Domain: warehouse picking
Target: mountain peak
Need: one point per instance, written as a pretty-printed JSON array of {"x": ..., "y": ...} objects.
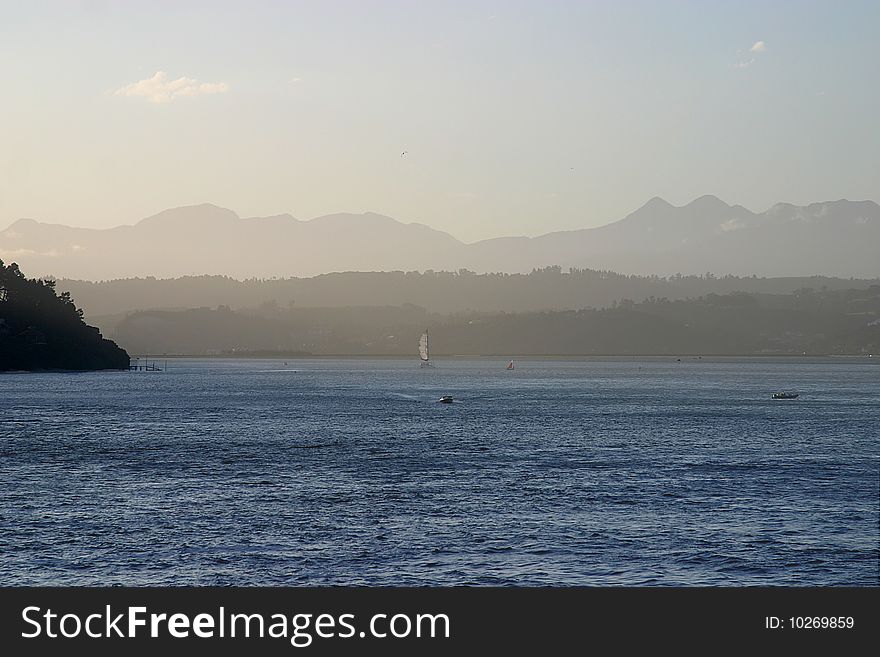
[
  {"x": 22, "y": 223},
  {"x": 659, "y": 238},
  {"x": 707, "y": 201},
  {"x": 656, "y": 203},
  {"x": 202, "y": 214}
]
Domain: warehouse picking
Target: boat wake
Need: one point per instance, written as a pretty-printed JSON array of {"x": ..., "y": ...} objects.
[{"x": 401, "y": 395}]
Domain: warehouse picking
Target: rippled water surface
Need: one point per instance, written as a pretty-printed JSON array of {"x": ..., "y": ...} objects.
[{"x": 349, "y": 472}]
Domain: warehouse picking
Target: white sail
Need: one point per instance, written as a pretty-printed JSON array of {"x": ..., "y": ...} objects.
[{"x": 423, "y": 347}]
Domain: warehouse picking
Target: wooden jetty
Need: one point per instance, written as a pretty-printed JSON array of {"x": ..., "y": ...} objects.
[{"x": 146, "y": 365}]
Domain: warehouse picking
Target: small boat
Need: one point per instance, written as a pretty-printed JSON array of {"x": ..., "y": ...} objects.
[
  {"x": 785, "y": 395},
  {"x": 445, "y": 399},
  {"x": 510, "y": 365}
]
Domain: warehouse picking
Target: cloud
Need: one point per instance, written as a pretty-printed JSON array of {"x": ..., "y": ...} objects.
[
  {"x": 17, "y": 253},
  {"x": 731, "y": 224},
  {"x": 159, "y": 89},
  {"x": 759, "y": 46}
]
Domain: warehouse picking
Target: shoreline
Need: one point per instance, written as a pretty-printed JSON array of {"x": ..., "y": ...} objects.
[
  {"x": 535, "y": 357},
  {"x": 683, "y": 359}
]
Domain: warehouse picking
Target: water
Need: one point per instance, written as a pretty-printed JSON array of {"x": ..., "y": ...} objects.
[{"x": 601, "y": 472}]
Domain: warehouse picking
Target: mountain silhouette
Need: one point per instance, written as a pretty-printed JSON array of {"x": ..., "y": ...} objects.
[{"x": 833, "y": 238}]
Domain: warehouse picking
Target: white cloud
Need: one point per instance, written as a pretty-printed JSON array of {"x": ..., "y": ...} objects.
[
  {"x": 159, "y": 89},
  {"x": 17, "y": 253},
  {"x": 757, "y": 48},
  {"x": 731, "y": 224}
]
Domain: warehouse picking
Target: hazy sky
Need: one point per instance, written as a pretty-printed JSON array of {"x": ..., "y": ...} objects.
[{"x": 516, "y": 117}]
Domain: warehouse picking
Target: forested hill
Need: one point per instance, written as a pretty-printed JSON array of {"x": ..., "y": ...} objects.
[
  {"x": 550, "y": 288},
  {"x": 40, "y": 330},
  {"x": 812, "y": 322}
]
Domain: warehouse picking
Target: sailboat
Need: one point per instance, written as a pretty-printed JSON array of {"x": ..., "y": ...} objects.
[
  {"x": 423, "y": 350},
  {"x": 510, "y": 365}
]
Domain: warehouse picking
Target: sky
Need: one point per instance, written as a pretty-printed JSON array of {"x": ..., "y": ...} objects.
[{"x": 479, "y": 118}]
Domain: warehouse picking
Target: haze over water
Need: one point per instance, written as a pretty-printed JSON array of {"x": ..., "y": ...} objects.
[{"x": 597, "y": 472}]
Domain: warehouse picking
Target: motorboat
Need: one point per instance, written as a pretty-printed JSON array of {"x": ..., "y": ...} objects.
[
  {"x": 785, "y": 395},
  {"x": 445, "y": 399}
]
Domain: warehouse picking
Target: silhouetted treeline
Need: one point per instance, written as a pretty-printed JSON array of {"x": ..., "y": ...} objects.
[
  {"x": 441, "y": 292},
  {"x": 815, "y": 322},
  {"x": 42, "y": 330}
]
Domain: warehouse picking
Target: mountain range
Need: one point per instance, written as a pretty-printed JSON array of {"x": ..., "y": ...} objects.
[{"x": 834, "y": 238}]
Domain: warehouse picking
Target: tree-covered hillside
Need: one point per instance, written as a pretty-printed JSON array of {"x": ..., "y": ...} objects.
[
  {"x": 809, "y": 321},
  {"x": 40, "y": 330},
  {"x": 550, "y": 288}
]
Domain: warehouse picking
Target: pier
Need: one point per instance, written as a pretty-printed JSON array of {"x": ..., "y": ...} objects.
[{"x": 146, "y": 365}]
